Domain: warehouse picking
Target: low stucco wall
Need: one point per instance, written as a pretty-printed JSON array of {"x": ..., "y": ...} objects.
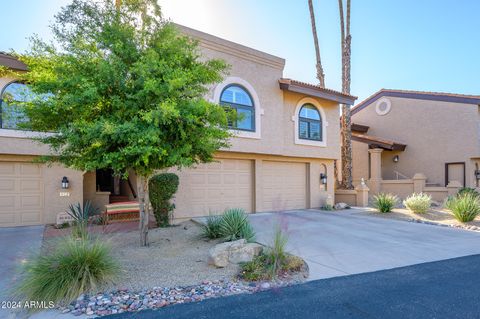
[
  {"x": 402, "y": 188},
  {"x": 438, "y": 193},
  {"x": 346, "y": 196}
]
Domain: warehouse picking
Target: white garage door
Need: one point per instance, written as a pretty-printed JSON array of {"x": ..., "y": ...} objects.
[
  {"x": 284, "y": 186},
  {"x": 212, "y": 188},
  {"x": 21, "y": 194}
]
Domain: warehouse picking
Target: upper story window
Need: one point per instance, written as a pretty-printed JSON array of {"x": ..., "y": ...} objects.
[
  {"x": 309, "y": 123},
  {"x": 238, "y": 99},
  {"x": 10, "y": 113}
]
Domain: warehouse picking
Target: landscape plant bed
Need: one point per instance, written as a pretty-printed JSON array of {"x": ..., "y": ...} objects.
[
  {"x": 174, "y": 269},
  {"x": 435, "y": 216}
]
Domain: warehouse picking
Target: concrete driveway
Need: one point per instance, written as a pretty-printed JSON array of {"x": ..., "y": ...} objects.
[
  {"x": 16, "y": 243},
  {"x": 344, "y": 242}
]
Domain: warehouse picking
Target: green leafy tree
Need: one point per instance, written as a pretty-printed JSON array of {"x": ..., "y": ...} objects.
[{"x": 124, "y": 90}]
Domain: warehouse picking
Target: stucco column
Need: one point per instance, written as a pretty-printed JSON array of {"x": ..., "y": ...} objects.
[
  {"x": 375, "y": 170},
  {"x": 362, "y": 194},
  {"x": 419, "y": 182}
]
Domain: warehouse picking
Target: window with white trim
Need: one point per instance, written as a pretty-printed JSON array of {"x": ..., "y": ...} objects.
[
  {"x": 309, "y": 123},
  {"x": 11, "y": 114},
  {"x": 238, "y": 99}
]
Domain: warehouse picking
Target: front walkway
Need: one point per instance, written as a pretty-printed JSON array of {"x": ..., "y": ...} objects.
[{"x": 345, "y": 242}]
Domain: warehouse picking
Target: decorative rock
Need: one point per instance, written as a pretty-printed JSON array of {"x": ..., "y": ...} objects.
[
  {"x": 234, "y": 252},
  {"x": 339, "y": 206}
]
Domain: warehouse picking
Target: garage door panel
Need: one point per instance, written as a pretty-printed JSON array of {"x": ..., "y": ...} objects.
[
  {"x": 7, "y": 185},
  {"x": 7, "y": 168},
  {"x": 30, "y": 169},
  {"x": 284, "y": 185},
  {"x": 30, "y": 217},
  {"x": 30, "y": 185},
  {"x": 21, "y": 186},
  {"x": 212, "y": 188}
]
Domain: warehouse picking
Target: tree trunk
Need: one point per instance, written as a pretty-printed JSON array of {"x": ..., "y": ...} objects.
[
  {"x": 142, "y": 186},
  {"x": 320, "y": 73},
  {"x": 346, "y": 123}
]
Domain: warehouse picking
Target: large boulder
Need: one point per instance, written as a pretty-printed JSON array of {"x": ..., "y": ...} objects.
[{"x": 233, "y": 252}]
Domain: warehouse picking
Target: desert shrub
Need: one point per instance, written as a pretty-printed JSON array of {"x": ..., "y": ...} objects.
[
  {"x": 468, "y": 190},
  {"x": 327, "y": 207},
  {"x": 80, "y": 217},
  {"x": 234, "y": 224},
  {"x": 255, "y": 270},
  {"x": 384, "y": 202},
  {"x": 161, "y": 189},
  {"x": 465, "y": 207},
  {"x": 276, "y": 254},
  {"x": 70, "y": 268},
  {"x": 211, "y": 229},
  {"x": 292, "y": 263},
  {"x": 418, "y": 203}
]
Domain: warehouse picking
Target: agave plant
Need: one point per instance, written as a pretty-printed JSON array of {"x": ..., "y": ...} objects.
[{"x": 235, "y": 225}]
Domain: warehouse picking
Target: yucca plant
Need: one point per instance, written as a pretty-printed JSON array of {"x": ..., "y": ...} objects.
[
  {"x": 465, "y": 207},
  {"x": 80, "y": 216},
  {"x": 68, "y": 269},
  {"x": 418, "y": 203},
  {"x": 384, "y": 202},
  {"x": 234, "y": 225},
  {"x": 211, "y": 229}
]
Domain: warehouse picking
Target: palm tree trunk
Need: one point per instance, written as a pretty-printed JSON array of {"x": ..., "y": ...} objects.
[
  {"x": 346, "y": 123},
  {"x": 320, "y": 73}
]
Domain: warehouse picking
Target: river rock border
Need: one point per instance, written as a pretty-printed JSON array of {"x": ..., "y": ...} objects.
[{"x": 123, "y": 300}]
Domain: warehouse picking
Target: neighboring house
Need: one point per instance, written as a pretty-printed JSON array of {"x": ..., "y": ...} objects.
[
  {"x": 281, "y": 157},
  {"x": 399, "y": 134}
]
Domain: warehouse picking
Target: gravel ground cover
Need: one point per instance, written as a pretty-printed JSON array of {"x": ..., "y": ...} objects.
[
  {"x": 176, "y": 256},
  {"x": 436, "y": 216}
]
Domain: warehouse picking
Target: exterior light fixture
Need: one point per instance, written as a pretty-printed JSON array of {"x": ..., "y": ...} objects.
[
  {"x": 396, "y": 159},
  {"x": 323, "y": 178},
  {"x": 65, "y": 182}
]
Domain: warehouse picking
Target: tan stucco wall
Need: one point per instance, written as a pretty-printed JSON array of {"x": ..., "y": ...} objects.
[
  {"x": 262, "y": 71},
  {"x": 52, "y": 176},
  {"x": 435, "y": 133},
  {"x": 98, "y": 199}
]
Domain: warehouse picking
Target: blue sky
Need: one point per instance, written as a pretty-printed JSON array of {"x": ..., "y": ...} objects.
[{"x": 430, "y": 45}]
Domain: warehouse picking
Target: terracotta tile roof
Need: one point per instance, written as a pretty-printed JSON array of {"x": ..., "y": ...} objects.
[
  {"x": 421, "y": 95},
  {"x": 378, "y": 142},
  {"x": 315, "y": 90},
  {"x": 11, "y": 62}
]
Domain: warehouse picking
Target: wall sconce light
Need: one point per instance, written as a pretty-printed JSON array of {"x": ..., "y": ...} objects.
[
  {"x": 65, "y": 182},
  {"x": 396, "y": 159},
  {"x": 323, "y": 178}
]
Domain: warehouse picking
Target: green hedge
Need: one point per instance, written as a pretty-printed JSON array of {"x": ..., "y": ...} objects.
[{"x": 161, "y": 188}]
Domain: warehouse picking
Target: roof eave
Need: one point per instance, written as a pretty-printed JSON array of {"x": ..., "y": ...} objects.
[{"x": 292, "y": 87}]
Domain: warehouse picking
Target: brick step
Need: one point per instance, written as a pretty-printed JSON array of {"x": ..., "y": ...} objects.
[{"x": 118, "y": 198}]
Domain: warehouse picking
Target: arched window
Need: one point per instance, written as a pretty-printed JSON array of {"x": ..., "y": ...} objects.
[
  {"x": 236, "y": 98},
  {"x": 10, "y": 113},
  {"x": 309, "y": 123}
]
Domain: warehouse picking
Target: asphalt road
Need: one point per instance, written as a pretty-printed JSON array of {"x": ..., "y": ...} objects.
[{"x": 444, "y": 289}]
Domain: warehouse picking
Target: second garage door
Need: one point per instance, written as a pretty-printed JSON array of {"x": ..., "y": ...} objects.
[{"x": 284, "y": 186}]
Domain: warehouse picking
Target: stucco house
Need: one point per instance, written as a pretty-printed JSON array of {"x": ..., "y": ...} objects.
[
  {"x": 406, "y": 137},
  {"x": 281, "y": 157}
]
